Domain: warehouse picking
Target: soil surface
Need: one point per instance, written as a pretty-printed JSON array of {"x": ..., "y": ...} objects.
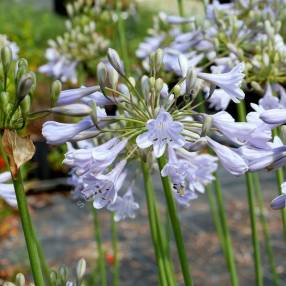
[{"x": 66, "y": 232}]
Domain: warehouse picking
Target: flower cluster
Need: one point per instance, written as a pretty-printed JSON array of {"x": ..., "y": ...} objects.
[
  {"x": 243, "y": 31},
  {"x": 83, "y": 43},
  {"x": 148, "y": 117}
]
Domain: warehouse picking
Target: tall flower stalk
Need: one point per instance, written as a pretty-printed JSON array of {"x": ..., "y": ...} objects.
[
  {"x": 101, "y": 254},
  {"x": 228, "y": 249},
  {"x": 28, "y": 230},
  {"x": 279, "y": 181},
  {"x": 115, "y": 251},
  {"x": 182, "y": 253},
  {"x": 252, "y": 213}
]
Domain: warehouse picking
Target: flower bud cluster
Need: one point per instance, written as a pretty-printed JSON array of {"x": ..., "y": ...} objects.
[
  {"x": 57, "y": 278},
  {"x": 17, "y": 85}
]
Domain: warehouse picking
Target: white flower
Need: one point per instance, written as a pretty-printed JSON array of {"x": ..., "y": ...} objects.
[
  {"x": 219, "y": 100},
  {"x": 58, "y": 133},
  {"x": 124, "y": 206},
  {"x": 268, "y": 101},
  {"x": 13, "y": 46},
  {"x": 230, "y": 160},
  {"x": 103, "y": 188},
  {"x": 59, "y": 66},
  {"x": 162, "y": 131},
  {"x": 95, "y": 159},
  {"x": 7, "y": 192},
  {"x": 230, "y": 82},
  {"x": 72, "y": 95}
]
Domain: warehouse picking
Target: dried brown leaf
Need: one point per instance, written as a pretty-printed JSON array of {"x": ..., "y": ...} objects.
[{"x": 18, "y": 149}]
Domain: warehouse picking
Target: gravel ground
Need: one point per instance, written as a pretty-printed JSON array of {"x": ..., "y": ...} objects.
[{"x": 66, "y": 233}]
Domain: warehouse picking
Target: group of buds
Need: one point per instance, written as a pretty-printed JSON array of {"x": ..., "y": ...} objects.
[
  {"x": 17, "y": 86},
  {"x": 57, "y": 278}
]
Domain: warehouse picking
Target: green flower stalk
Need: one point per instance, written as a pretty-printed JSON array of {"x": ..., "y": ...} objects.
[{"x": 17, "y": 85}]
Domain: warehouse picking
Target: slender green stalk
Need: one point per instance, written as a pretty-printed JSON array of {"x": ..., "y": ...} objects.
[
  {"x": 42, "y": 257},
  {"x": 215, "y": 216},
  {"x": 28, "y": 230},
  {"x": 152, "y": 222},
  {"x": 122, "y": 38},
  {"x": 280, "y": 180},
  {"x": 175, "y": 225},
  {"x": 180, "y": 8},
  {"x": 101, "y": 257},
  {"x": 254, "y": 233},
  {"x": 252, "y": 214},
  {"x": 226, "y": 235},
  {"x": 263, "y": 220},
  {"x": 115, "y": 252}
]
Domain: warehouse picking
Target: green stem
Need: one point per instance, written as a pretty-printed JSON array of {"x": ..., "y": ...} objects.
[
  {"x": 264, "y": 223},
  {"x": 215, "y": 216},
  {"x": 101, "y": 257},
  {"x": 180, "y": 7},
  {"x": 122, "y": 38},
  {"x": 280, "y": 180},
  {"x": 175, "y": 225},
  {"x": 152, "y": 221},
  {"x": 42, "y": 257},
  {"x": 28, "y": 231},
  {"x": 254, "y": 234},
  {"x": 251, "y": 205},
  {"x": 226, "y": 235},
  {"x": 115, "y": 252}
]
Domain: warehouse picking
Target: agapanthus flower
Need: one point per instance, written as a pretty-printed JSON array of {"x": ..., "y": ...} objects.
[
  {"x": 230, "y": 82},
  {"x": 13, "y": 46},
  {"x": 103, "y": 188},
  {"x": 125, "y": 206},
  {"x": 7, "y": 192},
  {"x": 162, "y": 132},
  {"x": 280, "y": 201}
]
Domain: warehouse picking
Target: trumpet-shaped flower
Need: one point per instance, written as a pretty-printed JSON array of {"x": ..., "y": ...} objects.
[
  {"x": 103, "y": 188},
  {"x": 162, "y": 131},
  {"x": 280, "y": 201},
  {"x": 230, "y": 82},
  {"x": 230, "y": 160},
  {"x": 219, "y": 100},
  {"x": 125, "y": 206},
  {"x": 268, "y": 101},
  {"x": 72, "y": 95},
  {"x": 7, "y": 192},
  {"x": 95, "y": 159},
  {"x": 58, "y": 133}
]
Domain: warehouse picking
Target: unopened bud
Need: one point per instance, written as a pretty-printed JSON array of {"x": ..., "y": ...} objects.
[
  {"x": 256, "y": 86},
  {"x": 183, "y": 63},
  {"x": 159, "y": 84},
  {"x": 21, "y": 69},
  {"x": 25, "y": 105},
  {"x": 6, "y": 58},
  {"x": 101, "y": 74},
  {"x": 70, "y": 9},
  {"x": 145, "y": 86},
  {"x": 56, "y": 91},
  {"x": 4, "y": 99},
  {"x": 279, "y": 202},
  {"x": 191, "y": 79},
  {"x": 115, "y": 61},
  {"x": 269, "y": 29},
  {"x": 76, "y": 109},
  {"x": 177, "y": 90},
  {"x": 64, "y": 273},
  {"x": 9, "y": 284},
  {"x": 20, "y": 279},
  {"x": 24, "y": 87},
  {"x": 132, "y": 81},
  {"x": 81, "y": 268},
  {"x": 53, "y": 277},
  {"x": 112, "y": 77},
  {"x": 158, "y": 59},
  {"x": 206, "y": 125}
]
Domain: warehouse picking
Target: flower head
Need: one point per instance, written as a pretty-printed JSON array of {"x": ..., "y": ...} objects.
[{"x": 162, "y": 131}]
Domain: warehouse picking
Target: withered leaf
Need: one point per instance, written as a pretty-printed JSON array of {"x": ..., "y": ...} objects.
[{"x": 18, "y": 149}]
